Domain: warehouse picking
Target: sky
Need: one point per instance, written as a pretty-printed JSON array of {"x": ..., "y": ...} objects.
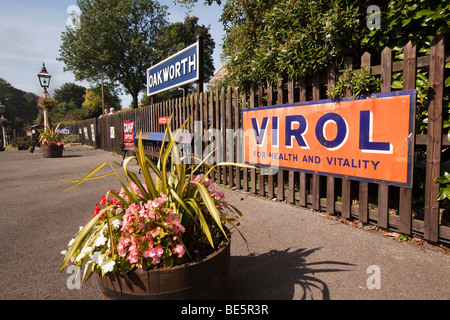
[{"x": 30, "y": 34}]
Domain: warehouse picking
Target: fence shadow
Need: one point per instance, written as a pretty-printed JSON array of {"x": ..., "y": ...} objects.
[{"x": 278, "y": 274}]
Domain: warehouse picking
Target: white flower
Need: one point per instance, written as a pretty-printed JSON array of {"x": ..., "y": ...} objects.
[
  {"x": 71, "y": 241},
  {"x": 108, "y": 266},
  {"x": 80, "y": 256},
  {"x": 116, "y": 223},
  {"x": 100, "y": 241},
  {"x": 95, "y": 257},
  {"x": 64, "y": 252},
  {"x": 83, "y": 253}
]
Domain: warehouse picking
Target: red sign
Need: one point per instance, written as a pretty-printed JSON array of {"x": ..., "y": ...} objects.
[
  {"x": 163, "y": 120},
  {"x": 128, "y": 134},
  {"x": 366, "y": 139}
]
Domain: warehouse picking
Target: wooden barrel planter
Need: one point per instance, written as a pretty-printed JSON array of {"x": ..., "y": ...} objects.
[
  {"x": 203, "y": 280},
  {"x": 52, "y": 151}
]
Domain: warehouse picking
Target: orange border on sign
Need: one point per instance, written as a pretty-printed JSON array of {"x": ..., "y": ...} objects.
[{"x": 345, "y": 138}]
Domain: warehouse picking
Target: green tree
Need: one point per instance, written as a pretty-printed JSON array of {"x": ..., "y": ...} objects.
[
  {"x": 269, "y": 39},
  {"x": 92, "y": 105},
  {"x": 21, "y": 106},
  {"x": 70, "y": 93},
  {"x": 405, "y": 20},
  {"x": 116, "y": 41}
]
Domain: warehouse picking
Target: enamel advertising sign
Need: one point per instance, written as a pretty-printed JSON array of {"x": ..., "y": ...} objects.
[
  {"x": 366, "y": 139},
  {"x": 128, "y": 133},
  {"x": 177, "y": 70}
]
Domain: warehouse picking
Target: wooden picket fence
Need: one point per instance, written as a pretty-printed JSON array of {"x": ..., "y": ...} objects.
[{"x": 407, "y": 211}]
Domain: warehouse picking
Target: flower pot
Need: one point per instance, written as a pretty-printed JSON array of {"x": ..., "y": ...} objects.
[
  {"x": 203, "y": 280},
  {"x": 52, "y": 151}
]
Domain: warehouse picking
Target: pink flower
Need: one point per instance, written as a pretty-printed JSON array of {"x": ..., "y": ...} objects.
[
  {"x": 158, "y": 251},
  {"x": 133, "y": 252},
  {"x": 121, "y": 250},
  {"x": 150, "y": 253},
  {"x": 164, "y": 198},
  {"x": 179, "y": 249}
]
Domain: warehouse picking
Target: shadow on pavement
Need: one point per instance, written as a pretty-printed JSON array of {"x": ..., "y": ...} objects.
[{"x": 280, "y": 275}]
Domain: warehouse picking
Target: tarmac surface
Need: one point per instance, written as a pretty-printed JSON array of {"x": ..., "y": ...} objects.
[{"x": 293, "y": 253}]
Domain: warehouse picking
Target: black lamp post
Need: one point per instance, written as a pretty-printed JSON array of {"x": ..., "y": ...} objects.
[{"x": 44, "y": 80}]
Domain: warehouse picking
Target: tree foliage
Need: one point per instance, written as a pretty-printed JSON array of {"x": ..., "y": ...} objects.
[
  {"x": 116, "y": 39},
  {"x": 268, "y": 39},
  {"x": 92, "y": 105},
  {"x": 70, "y": 93},
  {"x": 405, "y": 20},
  {"x": 21, "y": 106}
]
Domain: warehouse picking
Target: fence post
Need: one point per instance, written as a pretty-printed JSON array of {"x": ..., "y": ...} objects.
[
  {"x": 409, "y": 82},
  {"x": 434, "y": 144},
  {"x": 383, "y": 189},
  {"x": 346, "y": 183},
  {"x": 270, "y": 177},
  {"x": 331, "y": 82},
  {"x": 252, "y": 171},
  {"x": 364, "y": 185},
  {"x": 291, "y": 191},
  {"x": 315, "y": 176},
  {"x": 302, "y": 181},
  {"x": 280, "y": 174}
]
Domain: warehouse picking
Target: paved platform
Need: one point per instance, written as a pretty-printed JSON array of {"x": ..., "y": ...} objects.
[{"x": 293, "y": 253}]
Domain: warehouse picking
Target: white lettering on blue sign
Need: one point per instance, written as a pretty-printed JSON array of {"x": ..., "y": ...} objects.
[{"x": 177, "y": 70}]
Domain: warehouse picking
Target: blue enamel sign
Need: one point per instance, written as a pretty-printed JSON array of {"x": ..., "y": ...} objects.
[{"x": 177, "y": 70}]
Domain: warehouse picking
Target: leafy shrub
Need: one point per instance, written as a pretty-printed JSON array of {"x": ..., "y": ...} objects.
[{"x": 22, "y": 143}]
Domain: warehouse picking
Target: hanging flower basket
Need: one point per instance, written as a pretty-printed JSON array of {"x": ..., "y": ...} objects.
[{"x": 46, "y": 103}]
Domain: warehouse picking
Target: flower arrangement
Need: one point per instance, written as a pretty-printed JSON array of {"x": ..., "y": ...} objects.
[
  {"x": 173, "y": 216},
  {"x": 46, "y": 103},
  {"x": 51, "y": 137}
]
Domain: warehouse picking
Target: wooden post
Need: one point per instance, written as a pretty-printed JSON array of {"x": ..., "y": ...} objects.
[
  {"x": 434, "y": 145},
  {"x": 280, "y": 174},
  {"x": 383, "y": 189},
  {"x": 262, "y": 177},
  {"x": 302, "y": 182},
  {"x": 252, "y": 171},
  {"x": 363, "y": 185},
  {"x": 291, "y": 191},
  {"x": 238, "y": 145},
  {"x": 270, "y": 177},
  {"x": 409, "y": 82},
  {"x": 200, "y": 64},
  {"x": 331, "y": 81},
  {"x": 346, "y": 183}
]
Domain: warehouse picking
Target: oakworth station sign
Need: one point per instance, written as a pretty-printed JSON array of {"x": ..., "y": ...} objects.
[
  {"x": 366, "y": 139},
  {"x": 177, "y": 70}
]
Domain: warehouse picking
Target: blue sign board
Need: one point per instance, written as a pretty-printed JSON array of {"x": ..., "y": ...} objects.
[{"x": 180, "y": 69}]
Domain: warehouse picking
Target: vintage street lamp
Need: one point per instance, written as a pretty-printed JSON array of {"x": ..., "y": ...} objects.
[
  {"x": 44, "y": 80},
  {"x": 2, "y": 121}
]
